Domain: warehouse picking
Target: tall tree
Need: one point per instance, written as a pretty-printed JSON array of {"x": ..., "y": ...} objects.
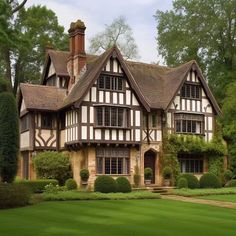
[
  {"x": 9, "y": 134},
  {"x": 201, "y": 30},
  {"x": 32, "y": 29},
  {"x": 118, "y": 32}
]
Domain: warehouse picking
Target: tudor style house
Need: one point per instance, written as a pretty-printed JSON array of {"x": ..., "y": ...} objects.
[{"x": 110, "y": 114}]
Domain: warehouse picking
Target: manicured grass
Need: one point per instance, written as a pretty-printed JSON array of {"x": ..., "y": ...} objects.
[
  {"x": 118, "y": 218},
  {"x": 78, "y": 195},
  {"x": 202, "y": 192},
  {"x": 225, "y": 198}
]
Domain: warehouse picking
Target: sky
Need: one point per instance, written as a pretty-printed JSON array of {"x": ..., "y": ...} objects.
[{"x": 96, "y": 14}]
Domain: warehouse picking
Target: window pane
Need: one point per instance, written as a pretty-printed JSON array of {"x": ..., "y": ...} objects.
[
  {"x": 101, "y": 83},
  {"x": 114, "y": 85},
  {"x": 120, "y": 117},
  {"x": 120, "y": 165},
  {"x": 178, "y": 126},
  {"x": 193, "y": 91},
  {"x": 114, "y": 165},
  {"x": 184, "y": 126},
  {"x": 194, "y": 126},
  {"x": 99, "y": 165},
  {"x": 120, "y": 83},
  {"x": 113, "y": 116},
  {"x": 154, "y": 120},
  {"x": 107, "y": 165},
  {"x": 197, "y": 92},
  {"x": 108, "y": 82},
  {"x": 99, "y": 115},
  {"x": 188, "y": 91},
  {"x": 107, "y": 116},
  {"x": 189, "y": 130},
  {"x": 183, "y": 91}
]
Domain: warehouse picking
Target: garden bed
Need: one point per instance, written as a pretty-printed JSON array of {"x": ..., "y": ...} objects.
[
  {"x": 202, "y": 192},
  {"x": 78, "y": 195}
]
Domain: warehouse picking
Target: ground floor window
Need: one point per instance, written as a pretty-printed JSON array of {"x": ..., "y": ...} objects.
[
  {"x": 113, "y": 161},
  {"x": 191, "y": 163}
]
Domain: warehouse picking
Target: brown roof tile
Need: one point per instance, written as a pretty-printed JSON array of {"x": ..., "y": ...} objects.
[{"x": 41, "y": 97}]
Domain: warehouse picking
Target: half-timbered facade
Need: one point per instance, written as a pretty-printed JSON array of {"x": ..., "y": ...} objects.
[{"x": 110, "y": 114}]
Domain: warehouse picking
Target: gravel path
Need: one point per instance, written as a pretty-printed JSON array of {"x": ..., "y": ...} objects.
[{"x": 231, "y": 205}]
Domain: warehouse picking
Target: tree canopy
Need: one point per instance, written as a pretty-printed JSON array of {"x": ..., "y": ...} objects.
[
  {"x": 204, "y": 31},
  {"x": 119, "y": 33},
  {"x": 27, "y": 35}
]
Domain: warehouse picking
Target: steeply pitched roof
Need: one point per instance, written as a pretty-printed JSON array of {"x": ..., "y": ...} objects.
[
  {"x": 82, "y": 87},
  {"x": 41, "y": 97},
  {"x": 156, "y": 86}
]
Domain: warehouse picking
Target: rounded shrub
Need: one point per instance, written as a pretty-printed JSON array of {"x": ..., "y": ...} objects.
[
  {"x": 105, "y": 184},
  {"x": 182, "y": 183},
  {"x": 123, "y": 185},
  {"x": 13, "y": 195},
  {"x": 148, "y": 173},
  {"x": 53, "y": 165},
  {"x": 167, "y": 172},
  {"x": 209, "y": 180},
  {"x": 191, "y": 179},
  {"x": 231, "y": 183},
  {"x": 84, "y": 175},
  {"x": 228, "y": 174},
  {"x": 71, "y": 184}
]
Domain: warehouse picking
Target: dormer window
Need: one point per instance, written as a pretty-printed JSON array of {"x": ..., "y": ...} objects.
[
  {"x": 107, "y": 82},
  {"x": 191, "y": 91}
]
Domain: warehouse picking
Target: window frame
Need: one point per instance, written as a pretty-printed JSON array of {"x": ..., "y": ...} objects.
[
  {"x": 186, "y": 123},
  {"x": 188, "y": 93},
  {"x": 111, "y": 83},
  {"x": 109, "y": 156},
  {"x": 106, "y": 117},
  {"x": 48, "y": 116},
  {"x": 25, "y": 127}
]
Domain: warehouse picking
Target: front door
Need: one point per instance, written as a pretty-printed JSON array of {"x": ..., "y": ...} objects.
[{"x": 150, "y": 161}]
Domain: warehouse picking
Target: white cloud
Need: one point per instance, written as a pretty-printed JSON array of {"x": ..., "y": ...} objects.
[{"x": 95, "y": 14}]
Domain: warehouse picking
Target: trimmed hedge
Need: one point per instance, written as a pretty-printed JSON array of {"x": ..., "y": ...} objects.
[
  {"x": 13, "y": 195},
  {"x": 182, "y": 183},
  {"x": 209, "y": 180},
  {"x": 191, "y": 179},
  {"x": 38, "y": 185},
  {"x": 228, "y": 174},
  {"x": 84, "y": 174},
  {"x": 231, "y": 183},
  {"x": 105, "y": 184},
  {"x": 71, "y": 184},
  {"x": 123, "y": 185}
]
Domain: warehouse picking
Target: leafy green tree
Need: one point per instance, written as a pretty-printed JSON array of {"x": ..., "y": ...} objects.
[
  {"x": 9, "y": 134},
  {"x": 204, "y": 31},
  {"x": 229, "y": 123},
  {"x": 29, "y": 32},
  {"x": 119, "y": 33}
]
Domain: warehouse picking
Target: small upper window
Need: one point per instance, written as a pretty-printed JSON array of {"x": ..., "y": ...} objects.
[
  {"x": 46, "y": 121},
  {"x": 110, "y": 83},
  {"x": 190, "y": 91},
  {"x": 25, "y": 123}
]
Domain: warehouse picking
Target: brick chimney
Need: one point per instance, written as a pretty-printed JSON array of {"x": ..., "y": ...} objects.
[{"x": 77, "y": 58}]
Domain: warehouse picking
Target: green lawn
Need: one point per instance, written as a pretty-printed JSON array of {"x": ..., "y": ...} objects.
[
  {"x": 131, "y": 217},
  {"x": 225, "y": 198}
]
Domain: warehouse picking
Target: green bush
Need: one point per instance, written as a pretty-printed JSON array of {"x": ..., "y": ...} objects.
[
  {"x": 137, "y": 179},
  {"x": 71, "y": 184},
  {"x": 148, "y": 173},
  {"x": 13, "y": 195},
  {"x": 105, "y": 184},
  {"x": 84, "y": 175},
  {"x": 9, "y": 136},
  {"x": 182, "y": 183},
  {"x": 38, "y": 185},
  {"x": 167, "y": 173},
  {"x": 228, "y": 174},
  {"x": 53, "y": 165},
  {"x": 191, "y": 179},
  {"x": 123, "y": 185},
  {"x": 209, "y": 180},
  {"x": 231, "y": 183}
]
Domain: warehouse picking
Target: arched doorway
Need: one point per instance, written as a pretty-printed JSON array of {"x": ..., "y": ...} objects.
[{"x": 150, "y": 161}]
